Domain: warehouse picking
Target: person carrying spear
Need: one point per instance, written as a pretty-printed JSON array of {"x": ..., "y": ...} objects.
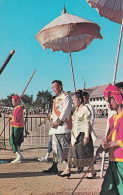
[
  {"x": 113, "y": 180},
  {"x": 17, "y": 123}
]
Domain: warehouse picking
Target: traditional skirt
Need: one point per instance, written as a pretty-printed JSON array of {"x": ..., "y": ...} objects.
[
  {"x": 113, "y": 181},
  {"x": 80, "y": 155},
  {"x": 60, "y": 146},
  {"x": 16, "y": 138}
]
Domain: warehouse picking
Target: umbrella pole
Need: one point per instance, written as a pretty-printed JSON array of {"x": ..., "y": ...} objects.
[
  {"x": 118, "y": 52},
  {"x": 71, "y": 65}
]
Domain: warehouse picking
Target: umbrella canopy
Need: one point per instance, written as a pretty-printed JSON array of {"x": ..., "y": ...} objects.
[
  {"x": 78, "y": 31},
  {"x": 68, "y": 33},
  {"x": 113, "y": 10}
]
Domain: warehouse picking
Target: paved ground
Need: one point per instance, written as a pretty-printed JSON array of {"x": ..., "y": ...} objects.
[{"x": 27, "y": 177}]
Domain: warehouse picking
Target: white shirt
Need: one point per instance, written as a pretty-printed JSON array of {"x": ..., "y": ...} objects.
[
  {"x": 81, "y": 122},
  {"x": 91, "y": 109},
  {"x": 63, "y": 104}
]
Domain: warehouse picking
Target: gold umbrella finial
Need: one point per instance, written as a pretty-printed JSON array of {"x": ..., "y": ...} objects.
[{"x": 64, "y": 10}]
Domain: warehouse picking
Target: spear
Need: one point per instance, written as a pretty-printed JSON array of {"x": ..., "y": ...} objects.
[
  {"x": 28, "y": 83},
  {"x": 20, "y": 99},
  {"x": 7, "y": 60}
]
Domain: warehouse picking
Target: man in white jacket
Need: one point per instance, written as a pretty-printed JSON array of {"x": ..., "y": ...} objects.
[{"x": 61, "y": 124}]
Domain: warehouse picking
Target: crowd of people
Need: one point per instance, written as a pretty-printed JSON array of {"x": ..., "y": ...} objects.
[{"x": 72, "y": 135}]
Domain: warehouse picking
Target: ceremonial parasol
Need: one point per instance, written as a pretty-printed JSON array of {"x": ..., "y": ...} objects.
[
  {"x": 113, "y": 10},
  {"x": 68, "y": 33}
]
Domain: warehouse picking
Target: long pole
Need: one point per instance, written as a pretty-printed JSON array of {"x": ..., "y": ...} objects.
[
  {"x": 94, "y": 159},
  {"x": 104, "y": 153},
  {"x": 20, "y": 99},
  {"x": 28, "y": 83},
  {"x": 7, "y": 60},
  {"x": 114, "y": 79},
  {"x": 5, "y": 127},
  {"x": 118, "y": 52},
  {"x": 99, "y": 150},
  {"x": 71, "y": 65}
]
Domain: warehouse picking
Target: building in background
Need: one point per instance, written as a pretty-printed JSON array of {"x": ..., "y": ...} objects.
[{"x": 97, "y": 99}]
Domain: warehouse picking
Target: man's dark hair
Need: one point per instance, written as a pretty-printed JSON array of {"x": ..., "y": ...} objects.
[
  {"x": 80, "y": 90},
  {"x": 86, "y": 94},
  {"x": 79, "y": 95},
  {"x": 58, "y": 82}
]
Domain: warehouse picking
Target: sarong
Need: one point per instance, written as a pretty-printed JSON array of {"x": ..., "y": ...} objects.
[
  {"x": 16, "y": 138},
  {"x": 60, "y": 146},
  {"x": 80, "y": 155},
  {"x": 113, "y": 180}
]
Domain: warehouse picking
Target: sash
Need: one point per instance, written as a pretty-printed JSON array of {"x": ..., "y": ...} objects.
[{"x": 57, "y": 112}]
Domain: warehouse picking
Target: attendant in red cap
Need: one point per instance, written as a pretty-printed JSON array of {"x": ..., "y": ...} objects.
[
  {"x": 17, "y": 123},
  {"x": 113, "y": 181}
]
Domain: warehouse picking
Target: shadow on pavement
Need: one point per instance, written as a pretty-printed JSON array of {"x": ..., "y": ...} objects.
[{"x": 21, "y": 174}]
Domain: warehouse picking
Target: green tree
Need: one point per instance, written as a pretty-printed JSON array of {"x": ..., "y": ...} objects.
[
  {"x": 44, "y": 99},
  {"x": 27, "y": 100},
  {"x": 8, "y": 101}
]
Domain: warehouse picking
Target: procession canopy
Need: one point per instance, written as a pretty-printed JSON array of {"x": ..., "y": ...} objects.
[
  {"x": 112, "y": 10},
  {"x": 78, "y": 31}
]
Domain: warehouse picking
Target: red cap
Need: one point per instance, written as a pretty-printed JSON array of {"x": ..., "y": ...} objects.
[
  {"x": 16, "y": 97},
  {"x": 113, "y": 91}
]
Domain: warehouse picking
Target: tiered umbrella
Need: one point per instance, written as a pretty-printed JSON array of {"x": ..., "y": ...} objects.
[
  {"x": 68, "y": 33},
  {"x": 113, "y": 10}
]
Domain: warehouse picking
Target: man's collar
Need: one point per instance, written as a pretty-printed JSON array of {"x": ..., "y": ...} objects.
[{"x": 60, "y": 93}]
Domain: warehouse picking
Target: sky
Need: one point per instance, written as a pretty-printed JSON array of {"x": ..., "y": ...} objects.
[{"x": 21, "y": 20}]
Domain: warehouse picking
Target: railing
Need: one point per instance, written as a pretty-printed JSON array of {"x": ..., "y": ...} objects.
[{"x": 34, "y": 135}]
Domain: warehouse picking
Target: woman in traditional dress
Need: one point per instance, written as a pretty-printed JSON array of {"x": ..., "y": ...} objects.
[
  {"x": 81, "y": 149},
  {"x": 113, "y": 180}
]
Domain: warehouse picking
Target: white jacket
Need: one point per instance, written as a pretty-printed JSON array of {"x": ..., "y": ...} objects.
[{"x": 63, "y": 105}]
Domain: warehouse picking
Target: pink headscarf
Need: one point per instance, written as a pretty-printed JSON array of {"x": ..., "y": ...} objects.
[
  {"x": 113, "y": 91},
  {"x": 17, "y": 98}
]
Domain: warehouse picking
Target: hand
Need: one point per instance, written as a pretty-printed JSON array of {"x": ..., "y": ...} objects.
[
  {"x": 100, "y": 150},
  {"x": 86, "y": 140},
  {"x": 54, "y": 124},
  {"x": 104, "y": 143},
  {"x": 10, "y": 117},
  {"x": 42, "y": 123},
  {"x": 109, "y": 144}
]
